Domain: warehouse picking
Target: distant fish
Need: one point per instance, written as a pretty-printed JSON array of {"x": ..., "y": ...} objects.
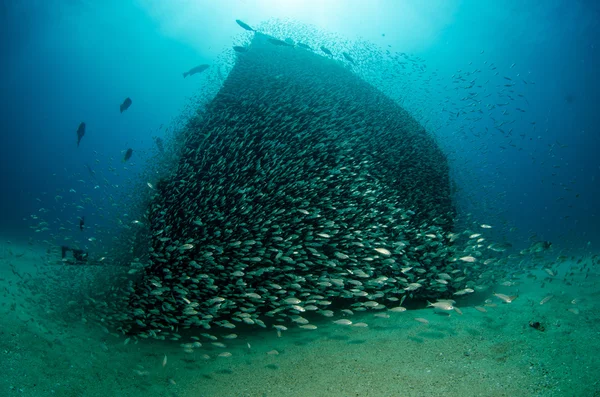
[
  {"x": 128, "y": 154},
  {"x": 326, "y": 51},
  {"x": 80, "y": 132},
  {"x": 126, "y": 104},
  {"x": 290, "y": 41},
  {"x": 280, "y": 43},
  {"x": 238, "y": 48},
  {"x": 197, "y": 69},
  {"x": 348, "y": 57},
  {"x": 302, "y": 45},
  {"x": 245, "y": 25},
  {"x": 81, "y": 223}
]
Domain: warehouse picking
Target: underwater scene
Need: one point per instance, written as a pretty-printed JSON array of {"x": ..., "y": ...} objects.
[{"x": 299, "y": 198}]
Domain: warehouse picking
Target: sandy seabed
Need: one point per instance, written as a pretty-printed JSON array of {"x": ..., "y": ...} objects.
[{"x": 492, "y": 353}]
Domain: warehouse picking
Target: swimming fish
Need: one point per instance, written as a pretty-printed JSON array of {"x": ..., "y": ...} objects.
[
  {"x": 540, "y": 246},
  {"x": 280, "y": 42},
  {"x": 125, "y": 105},
  {"x": 348, "y": 57},
  {"x": 506, "y": 298},
  {"x": 194, "y": 70},
  {"x": 128, "y": 154},
  {"x": 442, "y": 305},
  {"x": 499, "y": 247},
  {"x": 80, "y": 132},
  {"x": 302, "y": 45},
  {"x": 238, "y": 48},
  {"x": 81, "y": 223},
  {"x": 245, "y": 26},
  {"x": 326, "y": 51}
]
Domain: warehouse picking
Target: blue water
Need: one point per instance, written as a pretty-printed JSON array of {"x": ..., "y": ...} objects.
[
  {"x": 508, "y": 89},
  {"x": 70, "y": 61}
]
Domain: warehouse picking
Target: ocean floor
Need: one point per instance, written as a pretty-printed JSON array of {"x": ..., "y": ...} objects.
[{"x": 45, "y": 352}]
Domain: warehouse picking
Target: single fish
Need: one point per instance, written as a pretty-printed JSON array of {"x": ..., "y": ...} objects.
[
  {"x": 302, "y": 45},
  {"x": 280, "y": 43},
  {"x": 125, "y": 105},
  {"x": 238, "y": 48},
  {"x": 81, "y": 223},
  {"x": 499, "y": 247},
  {"x": 506, "y": 298},
  {"x": 326, "y": 51},
  {"x": 194, "y": 70},
  {"x": 383, "y": 251},
  {"x": 80, "y": 132},
  {"x": 348, "y": 57},
  {"x": 546, "y": 299},
  {"x": 128, "y": 154},
  {"x": 442, "y": 305},
  {"x": 540, "y": 246},
  {"x": 245, "y": 25},
  {"x": 464, "y": 291}
]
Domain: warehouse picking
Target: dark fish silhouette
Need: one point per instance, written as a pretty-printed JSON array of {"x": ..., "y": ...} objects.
[
  {"x": 81, "y": 223},
  {"x": 128, "y": 154},
  {"x": 244, "y": 25},
  {"x": 326, "y": 51},
  {"x": 237, "y": 48},
  {"x": 348, "y": 58},
  {"x": 197, "y": 69},
  {"x": 280, "y": 43},
  {"x": 125, "y": 105},
  {"x": 80, "y": 132},
  {"x": 302, "y": 45}
]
